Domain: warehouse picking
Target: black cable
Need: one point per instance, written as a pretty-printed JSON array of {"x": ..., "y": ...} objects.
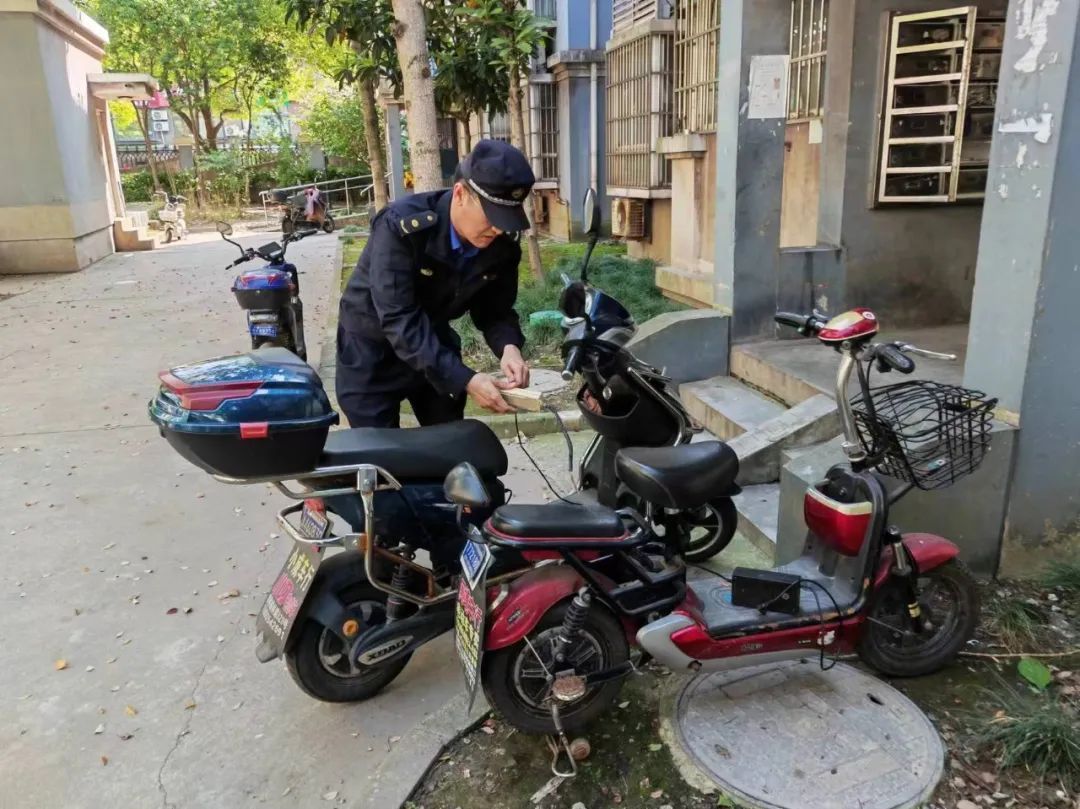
[{"x": 536, "y": 466}]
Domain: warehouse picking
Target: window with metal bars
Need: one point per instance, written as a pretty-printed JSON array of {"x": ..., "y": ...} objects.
[
  {"x": 639, "y": 111},
  {"x": 545, "y": 140},
  {"x": 498, "y": 126},
  {"x": 627, "y": 13},
  {"x": 697, "y": 35},
  {"x": 809, "y": 34},
  {"x": 545, "y": 9}
]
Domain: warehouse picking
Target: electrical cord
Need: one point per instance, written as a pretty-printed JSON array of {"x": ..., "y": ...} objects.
[{"x": 536, "y": 466}]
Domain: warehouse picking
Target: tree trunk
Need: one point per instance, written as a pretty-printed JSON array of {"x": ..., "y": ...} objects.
[
  {"x": 144, "y": 127},
  {"x": 517, "y": 137},
  {"x": 466, "y": 124},
  {"x": 410, "y": 33},
  {"x": 374, "y": 138}
]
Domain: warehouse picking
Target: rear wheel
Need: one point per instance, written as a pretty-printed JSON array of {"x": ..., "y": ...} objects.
[
  {"x": 319, "y": 661},
  {"x": 328, "y": 224},
  {"x": 515, "y": 678},
  {"x": 698, "y": 534},
  {"x": 949, "y": 604}
]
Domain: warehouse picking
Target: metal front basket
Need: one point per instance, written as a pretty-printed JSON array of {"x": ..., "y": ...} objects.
[{"x": 926, "y": 433}]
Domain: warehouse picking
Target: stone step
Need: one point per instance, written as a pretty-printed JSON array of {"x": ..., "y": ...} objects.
[
  {"x": 749, "y": 365},
  {"x": 759, "y": 514},
  {"x": 727, "y": 407},
  {"x": 760, "y": 449},
  {"x": 129, "y": 236}
]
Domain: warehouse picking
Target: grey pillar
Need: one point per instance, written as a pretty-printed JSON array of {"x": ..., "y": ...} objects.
[
  {"x": 395, "y": 159},
  {"x": 572, "y": 76},
  {"x": 1023, "y": 336},
  {"x": 749, "y": 169}
]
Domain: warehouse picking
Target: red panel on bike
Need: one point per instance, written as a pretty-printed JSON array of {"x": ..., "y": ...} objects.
[
  {"x": 856, "y": 324},
  {"x": 841, "y": 526}
]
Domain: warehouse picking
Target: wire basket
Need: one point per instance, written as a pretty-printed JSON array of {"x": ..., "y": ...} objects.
[{"x": 926, "y": 433}]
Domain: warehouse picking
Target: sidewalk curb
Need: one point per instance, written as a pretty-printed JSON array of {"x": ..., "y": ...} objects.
[
  {"x": 398, "y": 776},
  {"x": 529, "y": 424}
]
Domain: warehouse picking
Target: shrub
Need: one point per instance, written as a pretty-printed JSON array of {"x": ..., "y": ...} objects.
[{"x": 138, "y": 185}]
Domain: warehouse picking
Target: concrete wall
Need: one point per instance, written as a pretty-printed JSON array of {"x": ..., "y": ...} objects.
[
  {"x": 1023, "y": 326},
  {"x": 54, "y": 198},
  {"x": 913, "y": 264}
]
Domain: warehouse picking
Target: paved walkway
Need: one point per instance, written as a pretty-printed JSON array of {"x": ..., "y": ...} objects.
[{"x": 107, "y": 530}]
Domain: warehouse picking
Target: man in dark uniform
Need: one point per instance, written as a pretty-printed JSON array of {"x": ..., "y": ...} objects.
[{"x": 430, "y": 258}]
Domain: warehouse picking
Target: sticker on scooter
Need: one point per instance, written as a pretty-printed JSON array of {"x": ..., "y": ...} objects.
[
  {"x": 470, "y": 612},
  {"x": 380, "y": 653}
]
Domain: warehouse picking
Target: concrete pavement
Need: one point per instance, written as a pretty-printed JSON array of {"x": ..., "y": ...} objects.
[{"x": 107, "y": 531}]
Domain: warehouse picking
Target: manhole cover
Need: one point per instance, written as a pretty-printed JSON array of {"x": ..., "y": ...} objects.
[{"x": 791, "y": 736}]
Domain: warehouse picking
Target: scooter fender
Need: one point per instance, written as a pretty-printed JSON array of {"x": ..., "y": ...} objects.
[
  {"x": 927, "y": 551},
  {"x": 530, "y": 596}
]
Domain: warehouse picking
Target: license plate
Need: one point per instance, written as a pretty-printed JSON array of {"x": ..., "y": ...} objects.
[
  {"x": 290, "y": 588},
  {"x": 470, "y": 613},
  {"x": 264, "y": 330}
]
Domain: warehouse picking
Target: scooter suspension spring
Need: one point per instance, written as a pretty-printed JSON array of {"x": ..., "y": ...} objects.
[
  {"x": 573, "y": 622},
  {"x": 396, "y": 606}
]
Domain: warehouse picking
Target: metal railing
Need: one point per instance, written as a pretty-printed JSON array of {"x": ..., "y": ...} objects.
[{"x": 344, "y": 197}]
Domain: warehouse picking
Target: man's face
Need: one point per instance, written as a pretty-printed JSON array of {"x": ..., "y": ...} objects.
[{"x": 468, "y": 218}]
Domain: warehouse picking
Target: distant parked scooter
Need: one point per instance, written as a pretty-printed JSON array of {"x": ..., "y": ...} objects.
[
  {"x": 295, "y": 217},
  {"x": 270, "y": 294},
  {"x": 172, "y": 216}
]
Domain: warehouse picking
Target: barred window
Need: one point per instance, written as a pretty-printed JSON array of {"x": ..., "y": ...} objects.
[
  {"x": 697, "y": 35},
  {"x": 806, "y": 83},
  {"x": 545, "y": 142},
  {"x": 498, "y": 127},
  {"x": 545, "y": 9}
]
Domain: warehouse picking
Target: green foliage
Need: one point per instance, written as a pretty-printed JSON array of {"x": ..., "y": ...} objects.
[
  {"x": 1063, "y": 574},
  {"x": 337, "y": 123},
  {"x": 1041, "y": 734},
  {"x": 1016, "y": 623},
  {"x": 1035, "y": 672},
  {"x": 226, "y": 178},
  {"x": 138, "y": 186}
]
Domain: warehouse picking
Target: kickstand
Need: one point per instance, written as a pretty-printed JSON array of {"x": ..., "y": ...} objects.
[{"x": 557, "y": 741}]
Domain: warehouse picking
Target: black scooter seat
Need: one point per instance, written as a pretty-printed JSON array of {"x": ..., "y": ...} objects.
[
  {"x": 686, "y": 476},
  {"x": 558, "y": 520},
  {"x": 422, "y": 453}
]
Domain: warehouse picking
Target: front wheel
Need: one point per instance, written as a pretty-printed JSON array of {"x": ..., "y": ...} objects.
[
  {"x": 328, "y": 224},
  {"x": 319, "y": 661},
  {"x": 949, "y": 606},
  {"x": 287, "y": 225},
  {"x": 515, "y": 677}
]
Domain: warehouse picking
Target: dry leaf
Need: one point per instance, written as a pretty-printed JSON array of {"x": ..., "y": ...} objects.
[
  {"x": 99, "y": 729},
  {"x": 171, "y": 611},
  {"x": 189, "y": 705},
  {"x": 329, "y": 796},
  {"x": 130, "y": 710},
  {"x": 89, "y": 668},
  {"x": 187, "y": 610},
  {"x": 657, "y": 794},
  {"x": 467, "y": 772},
  {"x": 230, "y": 594},
  {"x": 125, "y": 737},
  {"x": 60, "y": 664},
  {"x": 104, "y": 760}
]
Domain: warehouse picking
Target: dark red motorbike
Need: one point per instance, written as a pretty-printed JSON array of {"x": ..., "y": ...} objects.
[{"x": 551, "y": 647}]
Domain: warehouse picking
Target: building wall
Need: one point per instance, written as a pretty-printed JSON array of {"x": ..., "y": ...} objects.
[{"x": 658, "y": 247}]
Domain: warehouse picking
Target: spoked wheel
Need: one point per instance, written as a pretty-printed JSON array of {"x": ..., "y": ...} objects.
[
  {"x": 319, "y": 662},
  {"x": 949, "y": 603},
  {"x": 516, "y": 679},
  {"x": 705, "y": 531}
]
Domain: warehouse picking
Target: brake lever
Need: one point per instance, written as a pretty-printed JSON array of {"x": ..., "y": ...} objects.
[{"x": 908, "y": 348}]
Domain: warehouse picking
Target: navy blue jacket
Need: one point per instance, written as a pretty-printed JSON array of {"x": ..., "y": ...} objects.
[{"x": 409, "y": 284}]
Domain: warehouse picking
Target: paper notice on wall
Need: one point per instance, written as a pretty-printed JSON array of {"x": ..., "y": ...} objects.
[
  {"x": 768, "y": 86},
  {"x": 815, "y": 133}
]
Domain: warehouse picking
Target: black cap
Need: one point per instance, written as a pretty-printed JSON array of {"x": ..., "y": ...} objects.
[{"x": 501, "y": 177}]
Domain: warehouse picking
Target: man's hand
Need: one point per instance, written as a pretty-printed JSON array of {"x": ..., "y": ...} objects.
[
  {"x": 484, "y": 389},
  {"x": 514, "y": 367}
]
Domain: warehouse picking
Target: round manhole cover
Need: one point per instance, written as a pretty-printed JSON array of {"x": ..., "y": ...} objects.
[{"x": 791, "y": 736}]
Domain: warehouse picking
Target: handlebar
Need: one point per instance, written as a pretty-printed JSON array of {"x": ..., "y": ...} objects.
[
  {"x": 805, "y": 324},
  {"x": 571, "y": 363},
  {"x": 890, "y": 356}
]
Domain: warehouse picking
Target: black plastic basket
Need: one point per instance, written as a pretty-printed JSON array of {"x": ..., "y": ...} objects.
[{"x": 926, "y": 433}]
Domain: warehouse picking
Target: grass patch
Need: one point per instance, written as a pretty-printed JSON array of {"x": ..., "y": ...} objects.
[
  {"x": 1039, "y": 734},
  {"x": 1017, "y": 624},
  {"x": 1064, "y": 575}
]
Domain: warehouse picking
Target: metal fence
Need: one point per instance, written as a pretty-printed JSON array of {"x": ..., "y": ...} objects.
[
  {"x": 697, "y": 41},
  {"x": 639, "y": 111},
  {"x": 545, "y": 140},
  {"x": 132, "y": 157},
  {"x": 345, "y": 197}
]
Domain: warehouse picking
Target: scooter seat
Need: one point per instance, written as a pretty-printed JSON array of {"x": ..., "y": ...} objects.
[
  {"x": 422, "y": 453},
  {"x": 558, "y": 520},
  {"x": 686, "y": 476}
]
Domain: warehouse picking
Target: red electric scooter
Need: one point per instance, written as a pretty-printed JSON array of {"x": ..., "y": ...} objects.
[{"x": 551, "y": 647}]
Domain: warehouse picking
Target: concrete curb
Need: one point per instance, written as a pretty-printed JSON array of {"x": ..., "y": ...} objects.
[
  {"x": 397, "y": 777},
  {"x": 529, "y": 424}
]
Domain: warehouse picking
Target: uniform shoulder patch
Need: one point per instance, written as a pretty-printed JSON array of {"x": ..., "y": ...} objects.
[{"x": 415, "y": 222}]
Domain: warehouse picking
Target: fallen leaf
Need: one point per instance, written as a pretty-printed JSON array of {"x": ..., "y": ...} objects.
[
  {"x": 487, "y": 729},
  {"x": 189, "y": 705},
  {"x": 99, "y": 729},
  {"x": 60, "y": 664},
  {"x": 104, "y": 760},
  {"x": 657, "y": 794},
  {"x": 395, "y": 739},
  {"x": 286, "y": 791},
  {"x": 237, "y": 705},
  {"x": 624, "y": 704},
  {"x": 212, "y": 584},
  {"x": 89, "y": 668},
  {"x": 109, "y": 547},
  {"x": 467, "y": 773},
  {"x": 230, "y": 594},
  {"x": 1034, "y": 672},
  {"x": 130, "y": 710},
  {"x": 187, "y": 610},
  {"x": 988, "y": 777},
  {"x": 111, "y": 660},
  {"x": 655, "y": 747},
  {"x": 171, "y": 611},
  {"x": 126, "y": 737},
  {"x": 330, "y": 796}
]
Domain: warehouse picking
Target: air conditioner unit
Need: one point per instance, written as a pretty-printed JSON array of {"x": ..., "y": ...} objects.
[
  {"x": 160, "y": 126},
  {"x": 628, "y": 218}
]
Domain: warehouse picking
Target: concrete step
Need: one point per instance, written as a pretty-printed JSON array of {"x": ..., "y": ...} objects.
[
  {"x": 727, "y": 407},
  {"x": 751, "y": 364},
  {"x": 760, "y": 449},
  {"x": 692, "y": 288},
  {"x": 759, "y": 514},
  {"x": 129, "y": 236}
]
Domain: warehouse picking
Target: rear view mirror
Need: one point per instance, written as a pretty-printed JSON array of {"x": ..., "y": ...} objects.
[
  {"x": 464, "y": 487},
  {"x": 572, "y": 300},
  {"x": 224, "y": 228},
  {"x": 591, "y": 214}
]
